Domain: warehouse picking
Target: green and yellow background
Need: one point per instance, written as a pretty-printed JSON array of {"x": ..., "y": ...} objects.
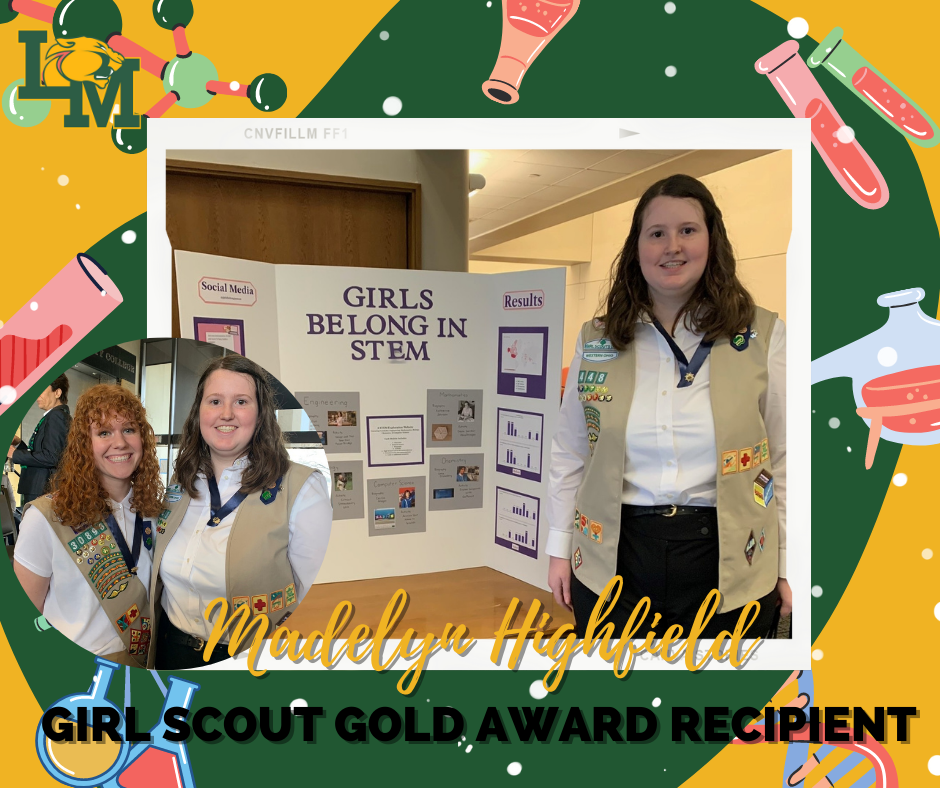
[{"x": 874, "y": 625}]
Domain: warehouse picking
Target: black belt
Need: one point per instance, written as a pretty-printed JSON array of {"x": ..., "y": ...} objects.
[
  {"x": 668, "y": 510},
  {"x": 176, "y": 636}
]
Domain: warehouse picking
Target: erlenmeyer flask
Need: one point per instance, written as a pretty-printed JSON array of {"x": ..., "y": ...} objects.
[
  {"x": 895, "y": 374},
  {"x": 80, "y": 761},
  {"x": 157, "y": 762}
]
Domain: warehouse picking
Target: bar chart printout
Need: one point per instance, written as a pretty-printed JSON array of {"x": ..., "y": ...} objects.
[
  {"x": 517, "y": 522},
  {"x": 519, "y": 444}
]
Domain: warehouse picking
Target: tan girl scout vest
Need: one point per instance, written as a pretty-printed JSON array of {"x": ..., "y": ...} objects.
[
  {"x": 747, "y": 511},
  {"x": 120, "y": 593},
  {"x": 257, "y": 570}
]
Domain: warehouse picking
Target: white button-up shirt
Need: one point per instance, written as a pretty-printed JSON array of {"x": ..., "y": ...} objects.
[
  {"x": 671, "y": 456},
  {"x": 72, "y": 606},
  {"x": 193, "y": 564}
]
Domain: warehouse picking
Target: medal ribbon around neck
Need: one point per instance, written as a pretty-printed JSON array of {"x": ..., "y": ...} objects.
[
  {"x": 687, "y": 369},
  {"x": 219, "y": 512},
  {"x": 130, "y": 558}
]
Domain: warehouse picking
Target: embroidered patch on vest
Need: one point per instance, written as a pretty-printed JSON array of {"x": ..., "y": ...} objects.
[
  {"x": 122, "y": 623},
  {"x": 259, "y": 603},
  {"x": 597, "y": 351},
  {"x": 763, "y": 489},
  {"x": 86, "y": 537},
  {"x": 729, "y": 462},
  {"x": 277, "y": 600},
  {"x": 760, "y": 542},
  {"x": 749, "y": 548},
  {"x": 745, "y": 458},
  {"x": 764, "y": 450},
  {"x": 238, "y": 601},
  {"x": 740, "y": 340},
  {"x": 581, "y": 376},
  {"x": 132, "y": 613},
  {"x": 591, "y": 376},
  {"x": 174, "y": 493},
  {"x": 592, "y": 420},
  {"x": 597, "y": 532},
  {"x": 109, "y": 575},
  {"x": 290, "y": 595},
  {"x": 145, "y": 623},
  {"x": 584, "y": 524},
  {"x": 757, "y": 459},
  {"x": 602, "y": 377},
  {"x": 268, "y": 496},
  {"x": 161, "y": 521},
  {"x": 577, "y": 559}
]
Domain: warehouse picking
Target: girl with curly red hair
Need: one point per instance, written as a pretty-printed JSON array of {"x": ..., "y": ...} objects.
[{"x": 84, "y": 554}]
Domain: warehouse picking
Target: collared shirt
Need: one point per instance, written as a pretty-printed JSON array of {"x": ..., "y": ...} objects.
[
  {"x": 671, "y": 456},
  {"x": 71, "y": 605},
  {"x": 193, "y": 565}
]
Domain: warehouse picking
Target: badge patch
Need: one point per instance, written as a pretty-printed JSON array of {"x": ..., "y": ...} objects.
[
  {"x": 760, "y": 542},
  {"x": 764, "y": 450},
  {"x": 290, "y": 596},
  {"x": 132, "y": 614},
  {"x": 729, "y": 462},
  {"x": 238, "y": 601},
  {"x": 602, "y": 377},
  {"x": 745, "y": 459},
  {"x": 277, "y": 600},
  {"x": 577, "y": 558},
  {"x": 145, "y": 623},
  {"x": 597, "y": 532},
  {"x": 584, "y": 524},
  {"x": 757, "y": 459},
  {"x": 740, "y": 340},
  {"x": 122, "y": 623},
  {"x": 592, "y": 420},
  {"x": 581, "y": 376},
  {"x": 763, "y": 489},
  {"x": 135, "y": 635},
  {"x": 591, "y": 376},
  {"x": 259, "y": 603},
  {"x": 597, "y": 351},
  {"x": 749, "y": 548}
]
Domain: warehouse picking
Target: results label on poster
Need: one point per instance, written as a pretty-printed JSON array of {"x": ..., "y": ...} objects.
[
  {"x": 336, "y": 415},
  {"x": 519, "y": 443},
  {"x": 455, "y": 418},
  {"x": 397, "y": 505},
  {"x": 347, "y": 484},
  {"x": 456, "y": 482},
  {"x": 517, "y": 522},
  {"x": 395, "y": 440}
]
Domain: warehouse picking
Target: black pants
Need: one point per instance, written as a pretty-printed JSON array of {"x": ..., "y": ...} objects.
[
  {"x": 175, "y": 655},
  {"x": 673, "y": 561}
]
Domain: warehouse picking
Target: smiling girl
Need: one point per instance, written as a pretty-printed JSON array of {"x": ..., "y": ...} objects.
[
  {"x": 243, "y": 522},
  {"x": 84, "y": 552}
]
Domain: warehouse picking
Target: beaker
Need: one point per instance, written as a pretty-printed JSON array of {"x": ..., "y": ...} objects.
[
  {"x": 157, "y": 762},
  {"x": 79, "y": 760}
]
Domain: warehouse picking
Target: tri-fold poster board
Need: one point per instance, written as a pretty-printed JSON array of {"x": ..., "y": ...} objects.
[{"x": 435, "y": 396}]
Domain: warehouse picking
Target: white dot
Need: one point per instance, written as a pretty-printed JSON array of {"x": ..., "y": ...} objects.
[
  {"x": 7, "y": 395},
  {"x": 933, "y": 765},
  {"x": 267, "y": 108},
  {"x": 656, "y": 702},
  {"x": 670, "y": 8},
  {"x": 128, "y": 236},
  {"x": 670, "y": 71},
  {"x": 43, "y": 169},
  {"x": 63, "y": 180},
  {"x": 391, "y": 105},
  {"x": 817, "y": 654},
  {"x": 816, "y": 591},
  {"x": 848, "y": 449},
  {"x": 130, "y": 147},
  {"x": 834, "y": 423},
  {"x": 900, "y": 479},
  {"x": 21, "y": 117},
  {"x": 384, "y": 35},
  {"x": 104, "y": 293},
  {"x": 537, "y": 690},
  {"x": 797, "y": 27},
  {"x": 489, "y": 5},
  {"x": 469, "y": 747},
  {"x": 927, "y": 554},
  {"x": 887, "y": 356},
  {"x": 78, "y": 207},
  {"x": 234, "y": 85},
  {"x": 845, "y": 134},
  {"x": 300, "y": 703},
  {"x": 33, "y": 305},
  {"x": 936, "y": 611},
  {"x": 814, "y": 411},
  {"x": 514, "y": 768}
]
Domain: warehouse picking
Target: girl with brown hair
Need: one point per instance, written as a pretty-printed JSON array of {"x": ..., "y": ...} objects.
[
  {"x": 243, "y": 522},
  {"x": 670, "y": 456},
  {"x": 84, "y": 552}
]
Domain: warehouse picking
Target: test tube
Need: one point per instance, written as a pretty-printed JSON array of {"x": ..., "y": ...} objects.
[
  {"x": 51, "y": 323},
  {"x": 872, "y": 87},
  {"x": 848, "y": 162},
  {"x": 527, "y": 28}
]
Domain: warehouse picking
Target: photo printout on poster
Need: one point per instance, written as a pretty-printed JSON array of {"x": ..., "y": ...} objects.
[
  {"x": 335, "y": 414},
  {"x": 456, "y": 482},
  {"x": 517, "y": 522},
  {"x": 395, "y": 440},
  {"x": 397, "y": 505},
  {"x": 523, "y": 358},
  {"x": 224, "y": 332},
  {"x": 347, "y": 489},
  {"x": 455, "y": 418},
  {"x": 519, "y": 443}
]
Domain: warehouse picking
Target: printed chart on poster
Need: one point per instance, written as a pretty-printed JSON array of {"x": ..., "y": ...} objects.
[
  {"x": 517, "y": 521},
  {"x": 519, "y": 443}
]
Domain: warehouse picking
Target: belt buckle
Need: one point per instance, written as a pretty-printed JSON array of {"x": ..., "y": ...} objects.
[
  {"x": 673, "y": 512},
  {"x": 201, "y": 645}
]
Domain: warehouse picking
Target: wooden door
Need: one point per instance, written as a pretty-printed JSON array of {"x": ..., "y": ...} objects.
[{"x": 290, "y": 218}]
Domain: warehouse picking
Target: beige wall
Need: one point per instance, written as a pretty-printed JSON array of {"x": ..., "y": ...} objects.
[
  {"x": 755, "y": 199},
  {"x": 445, "y": 211}
]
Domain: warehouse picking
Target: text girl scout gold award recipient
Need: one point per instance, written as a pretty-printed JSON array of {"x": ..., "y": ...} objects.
[
  {"x": 242, "y": 522},
  {"x": 84, "y": 552},
  {"x": 668, "y": 466}
]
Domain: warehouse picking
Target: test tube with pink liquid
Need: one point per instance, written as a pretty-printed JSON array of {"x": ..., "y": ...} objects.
[
  {"x": 51, "y": 323},
  {"x": 527, "y": 29},
  {"x": 846, "y": 159}
]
